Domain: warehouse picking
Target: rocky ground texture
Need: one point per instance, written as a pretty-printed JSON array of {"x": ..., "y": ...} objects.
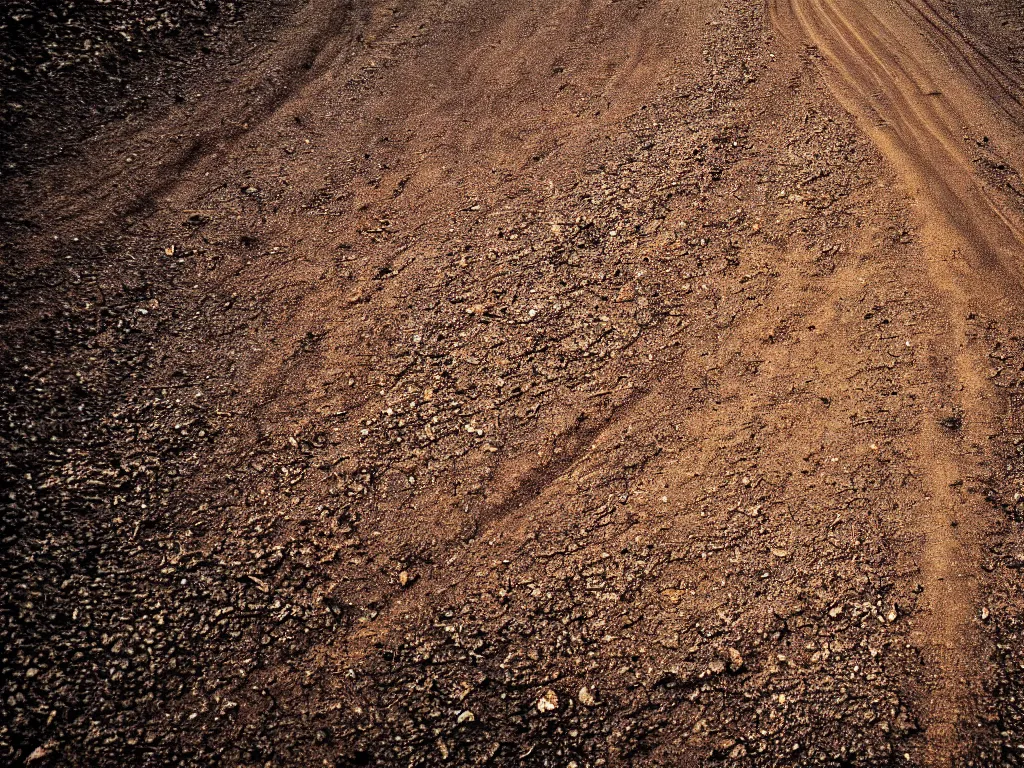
[{"x": 440, "y": 382}]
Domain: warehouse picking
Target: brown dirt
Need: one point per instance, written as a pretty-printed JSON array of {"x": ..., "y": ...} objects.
[{"x": 527, "y": 384}]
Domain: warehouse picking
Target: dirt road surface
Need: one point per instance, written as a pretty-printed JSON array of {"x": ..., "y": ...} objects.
[{"x": 523, "y": 384}]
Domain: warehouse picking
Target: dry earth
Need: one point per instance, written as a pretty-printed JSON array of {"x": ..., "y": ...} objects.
[{"x": 546, "y": 383}]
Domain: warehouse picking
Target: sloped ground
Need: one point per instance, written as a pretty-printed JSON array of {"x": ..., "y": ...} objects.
[
  {"x": 68, "y": 68},
  {"x": 524, "y": 384}
]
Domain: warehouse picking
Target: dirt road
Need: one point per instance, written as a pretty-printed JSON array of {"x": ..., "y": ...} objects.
[
  {"x": 549, "y": 383},
  {"x": 929, "y": 97}
]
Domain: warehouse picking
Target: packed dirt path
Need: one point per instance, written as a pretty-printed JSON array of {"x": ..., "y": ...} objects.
[
  {"x": 925, "y": 94},
  {"x": 553, "y": 383}
]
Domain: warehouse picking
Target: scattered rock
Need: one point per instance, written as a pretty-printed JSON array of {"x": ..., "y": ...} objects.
[
  {"x": 548, "y": 702},
  {"x": 586, "y": 697},
  {"x": 716, "y": 667}
]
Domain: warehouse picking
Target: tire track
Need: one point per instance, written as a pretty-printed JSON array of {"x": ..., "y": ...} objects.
[
  {"x": 985, "y": 67},
  {"x": 888, "y": 64}
]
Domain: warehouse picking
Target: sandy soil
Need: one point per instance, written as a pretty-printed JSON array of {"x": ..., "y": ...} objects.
[{"x": 549, "y": 383}]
